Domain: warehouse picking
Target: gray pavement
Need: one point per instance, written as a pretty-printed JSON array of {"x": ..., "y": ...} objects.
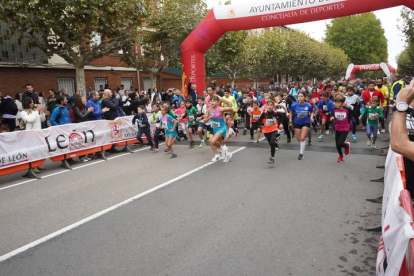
[{"x": 241, "y": 218}]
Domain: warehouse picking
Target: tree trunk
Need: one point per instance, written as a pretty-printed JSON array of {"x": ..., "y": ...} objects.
[
  {"x": 153, "y": 80},
  {"x": 80, "y": 79}
]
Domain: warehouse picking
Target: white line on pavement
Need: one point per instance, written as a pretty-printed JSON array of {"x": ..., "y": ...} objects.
[
  {"x": 65, "y": 171},
  {"x": 101, "y": 213}
]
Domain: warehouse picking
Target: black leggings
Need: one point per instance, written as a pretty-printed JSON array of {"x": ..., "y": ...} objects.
[
  {"x": 147, "y": 133},
  {"x": 157, "y": 136},
  {"x": 354, "y": 123},
  {"x": 285, "y": 122},
  {"x": 340, "y": 138},
  {"x": 271, "y": 138}
]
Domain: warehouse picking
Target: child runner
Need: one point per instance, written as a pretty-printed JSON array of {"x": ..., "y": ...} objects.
[
  {"x": 352, "y": 102},
  {"x": 169, "y": 124},
  {"x": 325, "y": 106},
  {"x": 270, "y": 129},
  {"x": 300, "y": 118},
  {"x": 201, "y": 111},
  {"x": 342, "y": 117},
  {"x": 183, "y": 122},
  {"x": 283, "y": 117},
  {"x": 215, "y": 114},
  {"x": 255, "y": 122},
  {"x": 156, "y": 119},
  {"x": 374, "y": 113},
  {"x": 141, "y": 120},
  {"x": 191, "y": 113}
]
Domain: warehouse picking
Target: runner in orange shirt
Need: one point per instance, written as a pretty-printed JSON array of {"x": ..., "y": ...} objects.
[
  {"x": 270, "y": 129},
  {"x": 255, "y": 122}
]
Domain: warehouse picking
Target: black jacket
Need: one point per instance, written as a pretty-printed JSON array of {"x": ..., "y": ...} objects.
[
  {"x": 143, "y": 122},
  {"x": 33, "y": 96},
  {"x": 112, "y": 114},
  {"x": 81, "y": 115},
  {"x": 8, "y": 106},
  {"x": 192, "y": 94}
]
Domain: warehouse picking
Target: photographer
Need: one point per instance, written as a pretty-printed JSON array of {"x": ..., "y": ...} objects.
[{"x": 400, "y": 141}]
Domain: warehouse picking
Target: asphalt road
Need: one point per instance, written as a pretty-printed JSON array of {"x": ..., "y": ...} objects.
[{"x": 244, "y": 217}]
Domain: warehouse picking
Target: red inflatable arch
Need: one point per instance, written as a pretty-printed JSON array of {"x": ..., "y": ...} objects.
[
  {"x": 386, "y": 67},
  {"x": 262, "y": 14}
]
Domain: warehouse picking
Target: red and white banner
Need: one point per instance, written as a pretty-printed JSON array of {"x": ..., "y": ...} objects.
[
  {"x": 396, "y": 223},
  {"x": 30, "y": 145}
]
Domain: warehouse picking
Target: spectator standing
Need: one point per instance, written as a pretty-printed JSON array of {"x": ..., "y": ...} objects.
[
  {"x": 31, "y": 94},
  {"x": 178, "y": 98},
  {"x": 107, "y": 102},
  {"x": 126, "y": 102},
  {"x": 97, "y": 112},
  {"x": 396, "y": 87},
  {"x": 60, "y": 115},
  {"x": 168, "y": 97},
  {"x": 19, "y": 108},
  {"x": 192, "y": 93},
  {"x": 81, "y": 112},
  {"x": 9, "y": 110}
]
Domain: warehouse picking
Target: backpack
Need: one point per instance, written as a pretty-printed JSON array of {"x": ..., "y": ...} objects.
[{"x": 59, "y": 116}]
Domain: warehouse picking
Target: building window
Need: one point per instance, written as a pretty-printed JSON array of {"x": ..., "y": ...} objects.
[
  {"x": 13, "y": 48},
  {"x": 1, "y": 40},
  {"x": 68, "y": 84},
  {"x": 127, "y": 82},
  {"x": 19, "y": 41},
  {"x": 21, "y": 55},
  {"x": 99, "y": 81},
  {"x": 4, "y": 54}
]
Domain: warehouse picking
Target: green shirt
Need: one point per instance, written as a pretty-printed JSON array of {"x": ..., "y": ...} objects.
[
  {"x": 192, "y": 115},
  {"x": 372, "y": 118}
]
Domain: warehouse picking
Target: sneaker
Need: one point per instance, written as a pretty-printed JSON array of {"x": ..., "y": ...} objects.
[
  {"x": 155, "y": 149},
  {"x": 245, "y": 131},
  {"x": 340, "y": 159},
  {"x": 167, "y": 150},
  {"x": 192, "y": 144},
  {"x": 383, "y": 130},
  {"x": 354, "y": 137},
  {"x": 178, "y": 139},
  {"x": 228, "y": 157},
  {"x": 277, "y": 137},
  {"x": 173, "y": 155},
  {"x": 251, "y": 138},
  {"x": 277, "y": 146},
  {"x": 368, "y": 143},
  {"x": 223, "y": 152},
  {"x": 202, "y": 144},
  {"x": 301, "y": 157},
  {"x": 216, "y": 158},
  {"x": 271, "y": 161},
  {"x": 231, "y": 132},
  {"x": 140, "y": 145},
  {"x": 309, "y": 143},
  {"x": 257, "y": 143},
  {"x": 86, "y": 157},
  {"x": 83, "y": 160},
  {"x": 374, "y": 146},
  {"x": 327, "y": 132},
  {"x": 348, "y": 148},
  {"x": 320, "y": 137},
  {"x": 289, "y": 141}
]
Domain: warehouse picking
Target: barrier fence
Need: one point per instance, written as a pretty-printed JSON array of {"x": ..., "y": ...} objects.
[
  {"x": 396, "y": 249},
  {"x": 23, "y": 150}
]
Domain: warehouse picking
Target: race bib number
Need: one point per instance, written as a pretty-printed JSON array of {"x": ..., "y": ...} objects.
[
  {"x": 372, "y": 117},
  {"x": 249, "y": 110},
  {"x": 164, "y": 125},
  {"x": 191, "y": 118},
  {"x": 141, "y": 125},
  {"x": 271, "y": 121},
  {"x": 340, "y": 116},
  {"x": 302, "y": 116},
  {"x": 410, "y": 122},
  {"x": 324, "y": 108},
  {"x": 256, "y": 117},
  {"x": 215, "y": 124}
]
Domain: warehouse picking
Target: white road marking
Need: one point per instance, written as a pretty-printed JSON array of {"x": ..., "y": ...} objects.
[
  {"x": 75, "y": 168},
  {"x": 103, "y": 212}
]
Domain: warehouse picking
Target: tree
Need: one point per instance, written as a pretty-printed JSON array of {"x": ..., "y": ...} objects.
[
  {"x": 225, "y": 56},
  {"x": 77, "y": 30},
  {"x": 406, "y": 59},
  {"x": 361, "y": 37},
  {"x": 167, "y": 25}
]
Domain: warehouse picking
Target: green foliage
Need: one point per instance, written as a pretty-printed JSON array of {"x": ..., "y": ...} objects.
[
  {"x": 406, "y": 59},
  {"x": 361, "y": 37}
]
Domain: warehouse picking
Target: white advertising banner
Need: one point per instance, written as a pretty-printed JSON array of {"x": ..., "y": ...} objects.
[
  {"x": 396, "y": 228},
  {"x": 30, "y": 145},
  {"x": 253, "y": 8}
]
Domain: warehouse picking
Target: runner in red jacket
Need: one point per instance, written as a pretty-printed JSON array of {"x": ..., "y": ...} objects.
[{"x": 371, "y": 92}]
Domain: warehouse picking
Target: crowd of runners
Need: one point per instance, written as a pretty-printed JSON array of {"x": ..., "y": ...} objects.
[{"x": 293, "y": 110}]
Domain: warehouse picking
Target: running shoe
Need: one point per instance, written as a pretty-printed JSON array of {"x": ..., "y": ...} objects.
[
  {"x": 327, "y": 132},
  {"x": 192, "y": 144},
  {"x": 257, "y": 143},
  {"x": 271, "y": 161},
  {"x": 374, "y": 146},
  {"x": 178, "y": 139},
  {"x": 216, "y": 158},
  {"x": 155, "y": 149},
  {"x": 167, "y": 150},
  {"x": 173, "y": 155},
  {"x": 301, "y": 157},
  {"x": 368, "y": 143},
  {"x": 354, "y": 137},
  {"x": 231, "y": 132},
  {"x": 340, "y": 159},
  {"x": 140, "y": 145},
  {"x": 378, "y": 132},
  {"x": 277, "y": 137},
  {"x": 383, "y": 130},
  {"x": 309, "y": 143},
  {"x": 289, "y": 141},
  {"x": 245, "y": 131},
  {"x": 228, "y": 157},
  {"x": 251, "y": 138},
  {"x": 348, "y": 148},
  {"x": 277, "y": 146},
  {"x": 83, "y": 160},
  {"x": 202, "y": 144},
  {"x": 320, "y": 137}
]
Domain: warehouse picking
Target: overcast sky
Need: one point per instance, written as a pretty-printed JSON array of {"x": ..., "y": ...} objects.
[{"x": 388, "y": 17}]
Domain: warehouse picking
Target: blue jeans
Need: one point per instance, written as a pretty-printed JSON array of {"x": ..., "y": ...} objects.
[{"x": 372, "y": 130}]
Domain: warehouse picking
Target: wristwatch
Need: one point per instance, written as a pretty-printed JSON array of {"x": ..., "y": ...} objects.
[{"x": 401, "y": 107}]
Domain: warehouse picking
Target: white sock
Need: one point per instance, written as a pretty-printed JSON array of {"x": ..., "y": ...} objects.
[
  {"x": 202, "y": 141},
  {"x": 302, "y": 147}
]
